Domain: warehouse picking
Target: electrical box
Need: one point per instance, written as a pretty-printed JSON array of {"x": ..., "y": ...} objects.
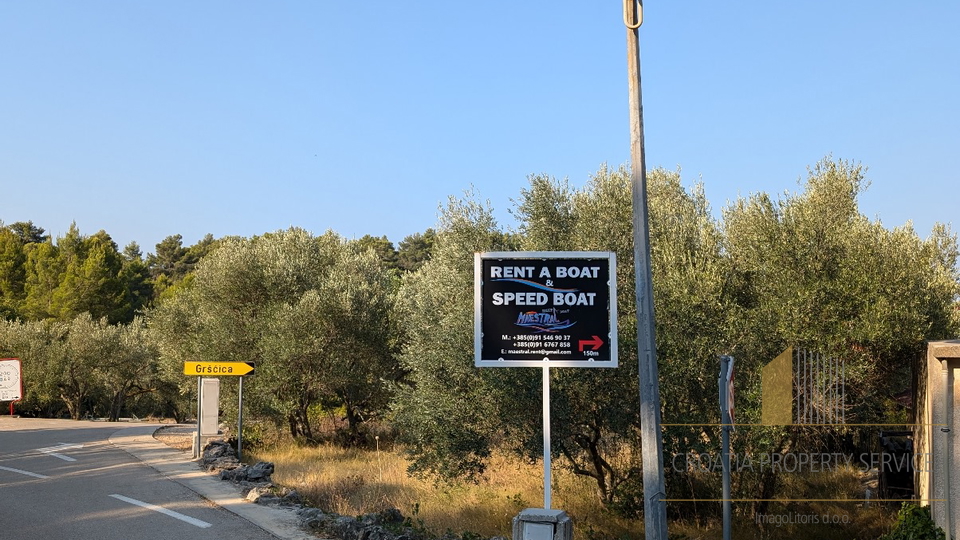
[
  {"x": 537, "y": 531},
  {"x": 209, "y": 406},
  {"x": 542, "y": 524}
]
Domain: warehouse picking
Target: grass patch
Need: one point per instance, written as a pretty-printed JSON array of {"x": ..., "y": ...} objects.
[{"x": 354, "y": 482}]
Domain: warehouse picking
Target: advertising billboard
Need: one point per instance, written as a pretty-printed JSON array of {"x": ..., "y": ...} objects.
[{"x": 545, "y": 308}]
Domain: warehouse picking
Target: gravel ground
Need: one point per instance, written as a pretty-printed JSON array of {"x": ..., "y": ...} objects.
[{"x": 179, "y": 436}]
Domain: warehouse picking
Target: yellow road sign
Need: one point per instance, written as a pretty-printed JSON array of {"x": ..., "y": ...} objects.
[{"x": 218, "y": 369}]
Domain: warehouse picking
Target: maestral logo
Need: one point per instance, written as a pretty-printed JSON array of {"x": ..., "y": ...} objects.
[{"x": 544, "y": 321}]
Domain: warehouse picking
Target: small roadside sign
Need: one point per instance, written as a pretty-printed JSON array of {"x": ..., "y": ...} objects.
[
  {"x": 726, "y": 391},
  {"x": 11, "y": 382},
  {"x": 218, "y": 369},
  {"x": 545, "y": 308}
]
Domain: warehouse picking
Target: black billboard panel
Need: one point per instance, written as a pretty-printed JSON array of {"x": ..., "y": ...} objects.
[{"x": 537, "y": 308}]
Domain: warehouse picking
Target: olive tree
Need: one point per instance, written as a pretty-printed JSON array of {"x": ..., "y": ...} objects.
[{"x": 310, "y": 311}]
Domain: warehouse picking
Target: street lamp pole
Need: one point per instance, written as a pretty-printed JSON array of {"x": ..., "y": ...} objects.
[{"x": 654, "y": 508}]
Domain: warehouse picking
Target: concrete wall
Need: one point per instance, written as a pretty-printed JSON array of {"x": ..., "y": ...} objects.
[{"x": 936, "y": 444}]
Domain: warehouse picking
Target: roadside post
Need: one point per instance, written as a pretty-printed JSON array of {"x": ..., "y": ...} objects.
[
  {"x": 196, "y": 445},
  {"x": 545, "y": 309},
  {"x": 11, "y": 381},
  {"x": 725, "y": 383},
  {"x": 218, "y": 369},
  {"x": 651, "y": 438},
  {"x": 240, "y": 419}
]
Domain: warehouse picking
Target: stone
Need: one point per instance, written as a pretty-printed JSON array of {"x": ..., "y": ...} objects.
[
  {"x": 291, "y": 498},
  {"x": 260, "y": 471},
  {"x": 311, "y": 518},
  {"x": 346, "y": 528},
  {"x": 218, "y": 455},
  {"x": 254, "y": 494}
]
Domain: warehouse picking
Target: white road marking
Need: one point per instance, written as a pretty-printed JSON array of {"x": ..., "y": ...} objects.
[
  {"x": 162, "y": 510},
  {"x": 28, "y": 473},
  {"x": 53, "y": 450}
]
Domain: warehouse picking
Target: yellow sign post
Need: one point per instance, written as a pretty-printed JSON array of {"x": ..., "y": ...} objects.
[{"x": 218, "y": 369}]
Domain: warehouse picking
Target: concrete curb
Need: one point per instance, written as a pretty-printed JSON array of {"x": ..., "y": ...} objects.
[{"x": 177, "y": 466}]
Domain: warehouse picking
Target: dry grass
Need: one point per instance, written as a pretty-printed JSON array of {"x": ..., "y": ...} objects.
[{"x": 354, "y": 482}]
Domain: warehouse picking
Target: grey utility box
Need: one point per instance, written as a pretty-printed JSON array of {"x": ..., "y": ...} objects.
[{"x": 542, "y": 524}]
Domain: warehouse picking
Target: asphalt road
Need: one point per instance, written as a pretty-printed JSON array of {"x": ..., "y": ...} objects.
[{"x": 66, "y": 480}]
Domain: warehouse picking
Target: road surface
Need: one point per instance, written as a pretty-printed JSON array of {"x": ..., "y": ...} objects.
[{"x": 66, "y": 480}]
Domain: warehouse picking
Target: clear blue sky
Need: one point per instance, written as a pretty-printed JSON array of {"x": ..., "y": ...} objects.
[{"x": 148, "y": 119}]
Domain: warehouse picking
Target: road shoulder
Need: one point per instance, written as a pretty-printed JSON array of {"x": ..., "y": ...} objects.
[{"x": 138, "y": 441}]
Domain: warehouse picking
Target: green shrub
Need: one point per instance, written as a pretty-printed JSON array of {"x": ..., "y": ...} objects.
[{"x": 914, "y": 523}]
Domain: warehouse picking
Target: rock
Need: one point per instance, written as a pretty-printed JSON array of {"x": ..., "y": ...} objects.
[
  {"x": 259, "y": 472},
  {"x": 312, "y": 518},
  {"x": 267, "y": 500},
  {"x": 218, "y": 455},
  {"x": 236, "y": 475},
  {"x": 240, "y": 474},
  {"x": 376, "y": 533},
  {"x": 345, "y": 528},
  {"x": 220, "y": 464},
  {"x": 261, "y": 495},
  {"x": 218, "y": 449},
  {"x": 291, "y": 498},
  {"x": 247, "y": 486}
]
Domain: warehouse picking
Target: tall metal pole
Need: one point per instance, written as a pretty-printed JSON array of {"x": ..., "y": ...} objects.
[
  {"x": 547, "y": 480},
  {"x": 654, "y": 509}
]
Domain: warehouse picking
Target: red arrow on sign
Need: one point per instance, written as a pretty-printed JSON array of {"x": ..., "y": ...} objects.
[{"x": 596, "y": 342}]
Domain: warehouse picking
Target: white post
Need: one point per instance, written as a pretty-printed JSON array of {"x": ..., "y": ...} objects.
[
  {"x": 948, "y": 400},
  {"x": 546, "y": 437}
]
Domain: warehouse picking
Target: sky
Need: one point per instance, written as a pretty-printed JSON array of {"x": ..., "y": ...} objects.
[{"x": 148, "y": 119}]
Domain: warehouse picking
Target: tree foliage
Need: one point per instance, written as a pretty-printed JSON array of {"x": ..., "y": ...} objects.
[
  {"x": 811, "y": 270},
  {"x": 85, "y": 366},
  {"x": 371, "y": 331},
  {"x": 382, "y": 247},
  {"x": 312, "y": 312},
  {"x": 448, "y": 410},
  {"x": 808, "y": 270},
  {"x": 415, "y": 249}
]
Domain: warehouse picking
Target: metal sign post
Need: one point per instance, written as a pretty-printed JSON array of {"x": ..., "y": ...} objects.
[
  {"x": 545, "y": 309},
  {"x": 547, "y": 477},
  {"x": 220, "y": 369},
  {"x": 196, "y": 447},
  {"x": 725, "y": 382},
  {"x": 240, "y": 421}
]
